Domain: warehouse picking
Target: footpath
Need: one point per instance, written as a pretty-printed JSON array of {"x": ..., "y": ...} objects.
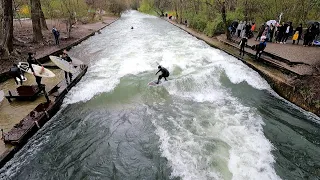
[
  {"x": 291, "y": 70},
  {"x": 23, "y": 40}
]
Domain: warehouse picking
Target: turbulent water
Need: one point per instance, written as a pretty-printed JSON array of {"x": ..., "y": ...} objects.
[{"x": 214, "y": 119}]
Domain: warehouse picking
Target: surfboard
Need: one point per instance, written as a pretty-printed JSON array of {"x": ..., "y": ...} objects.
[
  {"x": 1, "y": 95},
  {"x": 38, "y": 71},
  {"x": 154, "y": 83},
  {"x": 62, "y": 64},
  {"x": 76, "y": 61}
]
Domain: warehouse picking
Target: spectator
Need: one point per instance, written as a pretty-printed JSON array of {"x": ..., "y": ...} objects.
[
  {"x": 243, "y": 30},
  {"x": 299, "y": 29},
  {"x": 261, "y": 30},
  {"x": 279, "y": 33},
  {"x": 253, "y": 27},
  {"x": 307, "y": 37},
  {"x": 248, "y": 29},
  {"x": 56, "y": 35},
  {"x": 286, "y": 33},
  {"x": 243, "y": 44},
  {"x": 271, "y": 32},
  {"x": 316, "y": 32},
  {"x": 295, "y": 37},
  {"x": 239, "y": 28}
]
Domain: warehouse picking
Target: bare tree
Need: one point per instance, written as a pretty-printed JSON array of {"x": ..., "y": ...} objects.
[
  {"x": 160, "y": 6},
  {"x": 43, "y": 22},
  {"x": 7, "y": 28},
  {"x": 36, "y": 20}
]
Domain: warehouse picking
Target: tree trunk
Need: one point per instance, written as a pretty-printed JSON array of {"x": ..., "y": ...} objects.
[
  {"x": 43, "y": 20},
  {"x": 1, "y": 18},
  {"x": 36, "y": 23},
  {"x": 7, "y": 28},
  {"x": 224, "y": 20}
]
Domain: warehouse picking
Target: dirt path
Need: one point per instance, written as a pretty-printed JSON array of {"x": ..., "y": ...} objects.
[{"x": 23, "y": 39}]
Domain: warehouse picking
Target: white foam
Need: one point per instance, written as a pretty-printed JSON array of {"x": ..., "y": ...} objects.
[
  {"x": 242, "y": 146},
  {"x": 249, "y": 155}
]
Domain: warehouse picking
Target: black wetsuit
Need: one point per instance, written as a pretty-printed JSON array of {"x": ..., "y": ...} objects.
[
  {"x": 15, "y": 72},
  {"x": 68, "y": 59},
  {"x": 31, "y": 61},
  {"x": 242, "y": 45},
  {"x": 165, "y": 74}
]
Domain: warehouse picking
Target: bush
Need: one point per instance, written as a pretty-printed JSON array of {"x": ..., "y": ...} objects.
[
  {"x": 198, "y": 22},
  {"x": 209, "y": 30},
  {"x": 145, "y": 7}
]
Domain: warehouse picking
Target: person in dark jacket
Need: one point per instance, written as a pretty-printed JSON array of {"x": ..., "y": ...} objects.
[
  {"x": 15, "y": 72},
  {"x": 261, "y": 30},
  {"x": 307, "y": 37},
  {"x": 164, "y": 74},
  {"x": 31, "y": 60},
  {"x": 286, "y": 33},
  {"x": 271, "y": 32},
  {"x": 260, "y": 47},
  {"x": 282, "y": 30},
  {"x": 67, "y": 58},
  {"x": 56, "y": 35},
  {"x": 316, "y": 32},
  {"x": 299, "y": 29},
  {"x": 243, "y": 44}
]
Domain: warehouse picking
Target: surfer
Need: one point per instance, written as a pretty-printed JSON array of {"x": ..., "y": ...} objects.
[
  {"x": 31, "y": 60},
  {"x": 15, "y": 72},
  {"x": 164, "y": 74},
  {"x": 67, "y": 58}
]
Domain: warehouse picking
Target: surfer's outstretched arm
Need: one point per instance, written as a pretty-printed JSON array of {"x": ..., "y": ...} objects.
[
  {"x": 37, "y": 62},
  {"x": 158, "y": 71}
]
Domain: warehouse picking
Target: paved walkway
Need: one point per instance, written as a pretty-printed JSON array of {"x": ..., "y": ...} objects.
[
  {"x": 300, "y": 69},
  {"x": 294, "y": 53}
]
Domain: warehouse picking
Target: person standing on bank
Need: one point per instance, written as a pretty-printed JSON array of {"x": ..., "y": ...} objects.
[
  {"x": 239, "y": 28},
  {"x": 299, "y": 29},
  {"x": 271, "y": 32},
  {"x": 287, "y": 30},
  {"x": 31, "y": 60},
  {"x": 243, "y": 44},
  {"x": 67, "y": 58},
  {"x": 56, "y": 35},
  {"x": 261, "y": 30}
]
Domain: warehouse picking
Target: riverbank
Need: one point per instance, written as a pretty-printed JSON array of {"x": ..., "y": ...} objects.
[
  {"x": 10, "y": 120},
  {"x": 297, "y": 82},
  {"x": 23, "y": 40}
]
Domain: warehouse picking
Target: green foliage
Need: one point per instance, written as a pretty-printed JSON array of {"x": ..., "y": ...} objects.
[
  {"x": 205, "y": 15},
  {"x": 63, "y": 8},
  {"x": 210, "y": 29},
  {"x": 146, "y": 7},
  {"x": 198, "y": 22}
]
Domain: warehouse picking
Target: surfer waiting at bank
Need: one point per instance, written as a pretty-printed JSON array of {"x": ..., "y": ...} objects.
[
  {"x": 16, "y": 73},
  {"x": 31, "y": 60},
  {"x": 67, "y": 58},
  {"x": 164, "y": 74}
]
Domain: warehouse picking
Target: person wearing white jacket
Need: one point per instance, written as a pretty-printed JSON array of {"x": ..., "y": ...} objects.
[{"x": 239, "y": 28}]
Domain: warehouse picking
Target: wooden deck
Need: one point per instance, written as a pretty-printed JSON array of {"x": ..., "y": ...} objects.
[{"x": 36, "y": 119}]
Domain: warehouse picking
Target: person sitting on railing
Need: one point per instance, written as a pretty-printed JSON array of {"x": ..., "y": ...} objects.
[
  {"x": 260, "y": 47},
  {"x": 16, "y": 73}
]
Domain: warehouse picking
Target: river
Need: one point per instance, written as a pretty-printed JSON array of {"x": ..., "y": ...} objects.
[{"x": 214, "y": 119}]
